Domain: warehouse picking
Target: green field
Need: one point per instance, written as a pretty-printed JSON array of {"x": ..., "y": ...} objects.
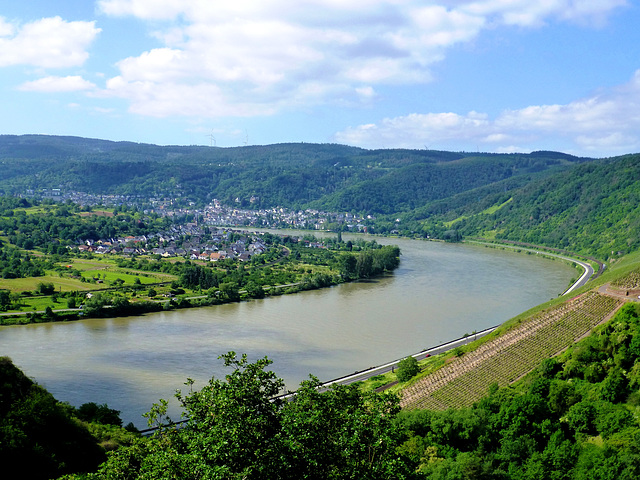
[
  {"x": 105, "y": 272},
  {"x": 109, "y": 274}
]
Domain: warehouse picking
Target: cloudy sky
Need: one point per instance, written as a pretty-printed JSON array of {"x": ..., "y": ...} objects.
[{"x": 487, "y": 75}]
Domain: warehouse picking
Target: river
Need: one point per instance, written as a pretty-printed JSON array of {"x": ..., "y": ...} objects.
[{"x": 439, "y": 292}]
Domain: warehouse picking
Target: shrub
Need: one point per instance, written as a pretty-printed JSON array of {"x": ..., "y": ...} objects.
[{"x": 407, "y": 369}]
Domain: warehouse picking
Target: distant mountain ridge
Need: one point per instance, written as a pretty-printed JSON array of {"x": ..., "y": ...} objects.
[{"x": 294, "y": 175}]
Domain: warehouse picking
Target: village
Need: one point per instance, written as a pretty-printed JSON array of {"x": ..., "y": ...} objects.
[
  {"x": 189, "y": 241},
  {"x": 216, "y": 213}
]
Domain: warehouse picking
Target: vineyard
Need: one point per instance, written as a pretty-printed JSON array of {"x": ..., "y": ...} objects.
[
  {"x": 511, "y": 355},
  {"x": 630, "y": 281}
]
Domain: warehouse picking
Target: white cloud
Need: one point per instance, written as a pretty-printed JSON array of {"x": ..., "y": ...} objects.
[
  {"x": 529, "y": 13},
  {"x": 198, "y": 100},
  {"x": 6, "y": 29},
  {"x": 366, "y": 92},
  {"x": 444, "y": 27},
  {"x": 267, "y": 54},
  {"x": 619, "y": 141},
  {"x": 416, "y": 129},
  {"x": 603, "y": 124},
  {"x": 153, "y": 10},
  {"x": 272, "y": 55},
  {"x": 72, "y": 83},
  {"x": 48, "y": 43}
]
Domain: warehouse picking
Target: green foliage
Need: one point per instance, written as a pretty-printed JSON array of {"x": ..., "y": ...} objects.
[
  {"x": 591, "y": 208},
  {"x": 230, "y": 291},
  {"x": 326, "y": 177},
  {"x": 93, "y": 307},
  {"x": 5, "y": 299},
  {"x": 45, "y": 288},
  {"x": 615, "y": 386},
  {"x": 553, "y": 424},
  {"x": 16, "y": 264},
  {"x": 51, "y": 233},
  {"x": 197, "y": 276},
  {"x": 238, "y": 428},
  {"x": 38, "y": 434},
  {"x": 254, "y": 290},
  {"x": 94, "y": 413},
  {"x": 407, "y": 369}
]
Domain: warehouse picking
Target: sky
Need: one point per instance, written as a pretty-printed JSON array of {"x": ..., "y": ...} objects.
[{"x": 459, "y": 75}]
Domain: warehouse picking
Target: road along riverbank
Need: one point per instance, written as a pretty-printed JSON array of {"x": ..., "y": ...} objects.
[
  {"x": 390, "y": 366},
  {"x": 587, "y": 273}
]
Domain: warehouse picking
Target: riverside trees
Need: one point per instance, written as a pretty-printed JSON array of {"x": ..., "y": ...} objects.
[{"x": 407, "y": 369}]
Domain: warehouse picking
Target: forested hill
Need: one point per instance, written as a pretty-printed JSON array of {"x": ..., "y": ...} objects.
[
  {"x": 592, "y": 208},
  {"x": 327, "y": 176}
]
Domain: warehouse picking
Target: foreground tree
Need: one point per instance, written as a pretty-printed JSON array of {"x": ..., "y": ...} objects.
[
  {"x": 239, "y": 428},
  {"x": 39, "y": 436}
]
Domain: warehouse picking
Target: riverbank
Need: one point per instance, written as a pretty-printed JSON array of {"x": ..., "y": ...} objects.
[
  {"x": 131, "y": 362},
  {"x": 175, "y": 303},
  {"x": 302, "y": 266}
]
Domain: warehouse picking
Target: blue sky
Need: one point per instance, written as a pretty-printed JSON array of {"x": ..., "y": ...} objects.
[{"x": 487, "y": 75}]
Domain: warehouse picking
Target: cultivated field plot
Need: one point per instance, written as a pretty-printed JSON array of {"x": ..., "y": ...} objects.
[
  {"x": 630, "y": 281},
  {"x": 84, "y": 275},
  {"x": 511, "y": 355}
]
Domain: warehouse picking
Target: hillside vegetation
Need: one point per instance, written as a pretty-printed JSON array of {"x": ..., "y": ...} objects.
[
  {"x": 39, "y": 434},
  {"x": 508, "y": 355},
  {"x": 574, "y": 417},
  {"x": 593, "y": 208}
]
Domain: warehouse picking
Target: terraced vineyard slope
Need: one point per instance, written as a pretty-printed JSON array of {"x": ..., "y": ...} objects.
[{"x": 504, "y": 359}]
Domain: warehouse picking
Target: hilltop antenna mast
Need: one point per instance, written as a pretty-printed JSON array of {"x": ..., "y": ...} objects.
[
  {"x": 212, "y": 139},
  {"x": 246, "y": 137}
]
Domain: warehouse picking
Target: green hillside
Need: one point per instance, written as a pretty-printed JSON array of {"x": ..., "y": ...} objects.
[
  {"x": 592, "y": 208},
  {"x": 518, "y": 413},
  {"x": 545, "y": 198}
]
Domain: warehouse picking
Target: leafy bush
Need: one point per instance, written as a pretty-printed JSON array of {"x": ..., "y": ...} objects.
[
  {"x": 92, "y": 412},
  {"x": 407, "y": 369}
]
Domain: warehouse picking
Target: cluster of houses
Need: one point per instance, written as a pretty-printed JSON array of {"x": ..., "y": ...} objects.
[
  {"x": 215, "y": 214},
  {"x": 218, "y": 214},
  {"x": 186, "y": 241}
]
